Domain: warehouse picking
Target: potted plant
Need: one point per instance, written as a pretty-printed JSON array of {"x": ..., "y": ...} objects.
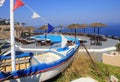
[{"x": 118, "y": 46}]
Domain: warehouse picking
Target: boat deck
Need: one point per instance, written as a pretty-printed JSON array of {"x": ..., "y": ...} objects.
[{"x": 45, "y": 58}]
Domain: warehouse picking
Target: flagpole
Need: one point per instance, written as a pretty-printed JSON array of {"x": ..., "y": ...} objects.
[{"x": 12, "y": 35}]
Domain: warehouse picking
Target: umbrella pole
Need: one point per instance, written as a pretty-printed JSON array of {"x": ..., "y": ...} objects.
[
  {"x": 84, "y": 30},
  {"x": 94, "y": 30},
  {"x": 94, "y": 36},
  {"x": 45, "y": 35},
  {"x": 75, "y": 34},
  {"x": 98, "y": 35},
  {"x": 98, "y": 31}
]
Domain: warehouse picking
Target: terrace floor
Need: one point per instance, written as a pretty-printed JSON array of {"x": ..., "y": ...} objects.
[{"x": 105, "y": 47}]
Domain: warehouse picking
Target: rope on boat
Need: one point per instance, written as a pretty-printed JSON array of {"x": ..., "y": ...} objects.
[{"x": 107, "y": 73}]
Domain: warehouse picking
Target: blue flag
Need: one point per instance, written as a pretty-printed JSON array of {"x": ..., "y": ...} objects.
[{"x": 50, "y": 28}]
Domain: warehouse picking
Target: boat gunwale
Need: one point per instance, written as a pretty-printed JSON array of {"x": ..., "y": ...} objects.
[{"x": 47, "y": 67}]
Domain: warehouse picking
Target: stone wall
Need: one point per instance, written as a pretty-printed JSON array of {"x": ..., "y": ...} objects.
[{"x": 112, "y": 58}]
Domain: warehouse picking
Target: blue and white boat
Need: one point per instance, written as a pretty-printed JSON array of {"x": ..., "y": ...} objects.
[{"x": 39, "y": 67}]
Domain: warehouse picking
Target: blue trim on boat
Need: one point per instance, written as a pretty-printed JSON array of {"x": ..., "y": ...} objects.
[
  {"x": 17, "y": 56},
  {"x": 62, "y": 49},
  {"x": 39, "y": 67}
]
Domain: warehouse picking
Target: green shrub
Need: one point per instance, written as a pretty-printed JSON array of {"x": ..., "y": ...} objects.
[
  {"x": 82, "y": 67},
  {"x": 118, "y": 46}
]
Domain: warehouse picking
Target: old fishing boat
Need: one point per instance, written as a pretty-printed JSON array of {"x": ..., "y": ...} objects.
[{"x": 39, "y": 66}]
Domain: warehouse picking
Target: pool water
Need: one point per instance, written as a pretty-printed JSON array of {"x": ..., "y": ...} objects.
[{"x": 53, "y": 38}]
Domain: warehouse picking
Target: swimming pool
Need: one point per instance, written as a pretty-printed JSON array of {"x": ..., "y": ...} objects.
[{"x": 53, "y": 38}]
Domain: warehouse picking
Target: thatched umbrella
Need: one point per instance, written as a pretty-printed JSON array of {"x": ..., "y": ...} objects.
[
  {"x": 45, "y": 28},
  {"x": 74, "y": 26},
  {"x": 84, "y": 26},
  {"x": 98, "y": 25},
  {"x": 29, "y": 29},
  {"x": 93, "y": 25}
]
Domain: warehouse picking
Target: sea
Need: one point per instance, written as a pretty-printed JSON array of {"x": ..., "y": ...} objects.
[{"x": 110, "y": 30}]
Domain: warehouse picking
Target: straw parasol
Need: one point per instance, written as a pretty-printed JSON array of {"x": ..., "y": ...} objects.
[
  {"x": 30, "y": 28},
  {"x": 93, "y": 25},
  {"x": 45, "y": 28},
  {"x": 84, "y": 26},
  {"x": 74, "y": 26},
  {"x": 98, "y": 25}
]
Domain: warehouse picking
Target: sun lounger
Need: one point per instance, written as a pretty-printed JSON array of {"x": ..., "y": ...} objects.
[
  {"x": 43, "y": 43},
  {"x": 17, "y": 39},
  {"x": 25, "y": 41},
  {"x": 101, "y": 38},
  {"x": 38, "y": 43},
  {"x": 48, "y": 42}
]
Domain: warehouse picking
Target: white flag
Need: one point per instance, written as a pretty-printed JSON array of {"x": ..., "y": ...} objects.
[
  {"x": 2, "y": 2},
  {"x": 35, "y": 15},
  {"x": 64, "y": 41}
]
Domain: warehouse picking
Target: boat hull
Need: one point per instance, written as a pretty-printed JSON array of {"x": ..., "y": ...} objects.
[{"x": 52, "y": 72}]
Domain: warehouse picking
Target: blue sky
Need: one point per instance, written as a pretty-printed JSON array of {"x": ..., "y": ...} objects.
[{"x": 66, "y": 12}]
